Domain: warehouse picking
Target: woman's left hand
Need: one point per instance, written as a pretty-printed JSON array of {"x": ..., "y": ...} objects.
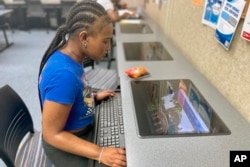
[{"x": 104, "y": 94}]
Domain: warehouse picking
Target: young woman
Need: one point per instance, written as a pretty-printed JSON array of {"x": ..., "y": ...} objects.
[{"x": 67, "y": 113}]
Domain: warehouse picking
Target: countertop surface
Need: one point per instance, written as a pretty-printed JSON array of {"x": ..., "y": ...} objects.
[{"x": 195, "y": 151}]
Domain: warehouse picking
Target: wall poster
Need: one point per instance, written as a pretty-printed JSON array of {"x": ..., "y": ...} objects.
[
  {"x": 245, "y": 32},
  {"x": 228, "y": 20},
  {"x": 211, "y": 12}
]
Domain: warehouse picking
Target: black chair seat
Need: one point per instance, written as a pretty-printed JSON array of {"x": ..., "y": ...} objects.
[{"x": 32, "y": 153}]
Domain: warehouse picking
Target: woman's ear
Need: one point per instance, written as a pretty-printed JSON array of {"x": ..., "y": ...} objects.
[{"x": 83, "y": 37}]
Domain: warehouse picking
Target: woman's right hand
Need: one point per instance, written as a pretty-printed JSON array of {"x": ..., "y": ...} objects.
[{"x": 114, "y": 157}]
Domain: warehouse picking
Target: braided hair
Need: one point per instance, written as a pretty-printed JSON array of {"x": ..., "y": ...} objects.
[{"x": 82, "y": 15}]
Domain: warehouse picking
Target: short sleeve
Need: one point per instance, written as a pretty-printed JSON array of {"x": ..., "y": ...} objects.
[{"x": 63, "y": 87}]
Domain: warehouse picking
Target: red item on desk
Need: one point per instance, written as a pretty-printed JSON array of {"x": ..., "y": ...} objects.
[{"x": 136, "y": 71}]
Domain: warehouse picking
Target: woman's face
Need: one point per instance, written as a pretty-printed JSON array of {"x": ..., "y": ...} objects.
[{"x": 98, "y": 45}]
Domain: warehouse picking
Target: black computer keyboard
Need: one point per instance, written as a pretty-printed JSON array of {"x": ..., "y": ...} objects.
[{"x": 110, "y": 130}]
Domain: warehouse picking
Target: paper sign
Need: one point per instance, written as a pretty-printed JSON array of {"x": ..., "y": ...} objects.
[
  {"x": 228, "y": 20},
  {"x": 211, "y": 12},
  {"x": 245, "y": 33}
]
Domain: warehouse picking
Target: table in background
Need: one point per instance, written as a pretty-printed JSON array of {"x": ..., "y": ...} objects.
[
  {"x": 18, "y": 19},
  {"x": 3, "y": 13}
]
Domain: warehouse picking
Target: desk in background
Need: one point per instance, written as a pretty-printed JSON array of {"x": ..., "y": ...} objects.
[
  {"x": 19, "y": 13},
  {"x": 3, "y": 13}
]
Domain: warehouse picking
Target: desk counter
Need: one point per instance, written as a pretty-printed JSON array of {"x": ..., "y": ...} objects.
[{"x": 195, "y": 151}]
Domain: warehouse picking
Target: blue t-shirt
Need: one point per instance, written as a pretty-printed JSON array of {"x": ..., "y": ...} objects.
[{"x": 62, "y": 81}]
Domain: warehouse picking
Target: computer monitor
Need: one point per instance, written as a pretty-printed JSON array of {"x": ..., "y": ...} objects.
[
  {"x": 146, "y": 51},
  {"x": 165, "y": 108}
]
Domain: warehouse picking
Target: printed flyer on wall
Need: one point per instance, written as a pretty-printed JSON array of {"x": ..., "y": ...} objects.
[
  {"x": 228, "y": 20},
  {"x": 245, "y": 32},
  {"x": 211, "y": 12}
]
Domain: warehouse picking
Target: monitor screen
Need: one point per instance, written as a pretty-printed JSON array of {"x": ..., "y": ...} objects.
[
  {"x": 173, "y": 108},
  {"x": 146, "y": 51}
]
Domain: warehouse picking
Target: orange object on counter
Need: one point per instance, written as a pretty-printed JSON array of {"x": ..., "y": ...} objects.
[{"x": 136, "y": 71}]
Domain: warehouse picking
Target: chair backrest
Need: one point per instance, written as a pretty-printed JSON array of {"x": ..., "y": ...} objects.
[
  {"x": 15, "y": 123},
  {"x": 34, "y": 7}
]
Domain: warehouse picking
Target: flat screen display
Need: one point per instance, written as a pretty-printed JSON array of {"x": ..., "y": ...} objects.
[
  {"x": 146, "y": 51},
  {"x": 173, "y": 108}
]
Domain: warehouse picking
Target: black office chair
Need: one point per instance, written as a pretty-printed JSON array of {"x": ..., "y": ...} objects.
[
  {"x": 100, "y": 78},
  {"x": 34, "y": 12},
  {"x": 65, "y": 7},
  {"x": 20, "y": 144}
]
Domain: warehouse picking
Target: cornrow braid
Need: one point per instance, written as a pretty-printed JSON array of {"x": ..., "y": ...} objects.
[
  {"x": 96, "y": 11},
  {"x": 82, "y": 15},
  {"x": 89, "y": 12},
  {"x": 75, "y": 23}
]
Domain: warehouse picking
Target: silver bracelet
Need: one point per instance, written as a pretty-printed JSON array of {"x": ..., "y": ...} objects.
[{"x": 100, "y": 156}]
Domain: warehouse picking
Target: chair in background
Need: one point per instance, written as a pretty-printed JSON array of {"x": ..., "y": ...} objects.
[
  {"x": 20, "y": 144},
  {"x": 65, "y": 6},
  {"x": 35, "y": 12},
  {"x": 100, "y": 78},
  {"x": 53, "y": 10}
]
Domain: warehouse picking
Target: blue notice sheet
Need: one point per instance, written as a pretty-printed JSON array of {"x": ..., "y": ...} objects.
[
  {"x": 211, "y": 12},
  {"x": 228, "y": 20}
]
